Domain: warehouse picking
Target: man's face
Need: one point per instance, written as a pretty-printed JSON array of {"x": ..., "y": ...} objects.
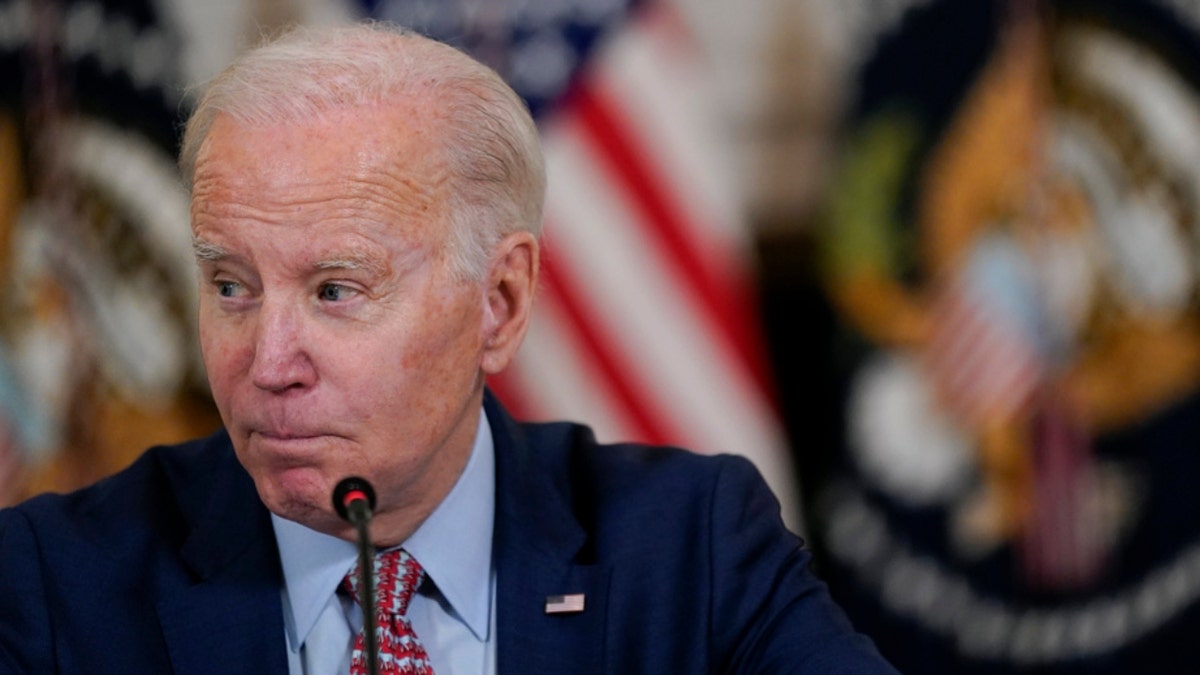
[{"x": 337, "y": 342}]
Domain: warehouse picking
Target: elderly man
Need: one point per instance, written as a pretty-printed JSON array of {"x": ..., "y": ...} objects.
[{"x": 365, "y": 210}]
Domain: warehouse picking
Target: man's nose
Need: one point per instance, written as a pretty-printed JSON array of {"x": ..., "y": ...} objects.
[{"x": 281, "y": 357}]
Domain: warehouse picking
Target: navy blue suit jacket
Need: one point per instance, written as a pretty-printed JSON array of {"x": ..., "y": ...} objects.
[{"x": 171, "y": 567}]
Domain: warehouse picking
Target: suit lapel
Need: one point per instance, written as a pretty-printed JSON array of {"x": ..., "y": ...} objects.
[
  {"x": 230, "y": 623},
  {"x": 532, "y": 640},
  {"x": 230, "y": 620},
  {"x": 540, "y": 552}
]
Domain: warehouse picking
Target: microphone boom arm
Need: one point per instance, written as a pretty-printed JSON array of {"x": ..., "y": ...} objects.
[{"x": 354, "y": 499}]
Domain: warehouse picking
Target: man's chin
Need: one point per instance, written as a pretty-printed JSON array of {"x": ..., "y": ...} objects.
[
  {"x": 307, "y": 504},
  {"x": 312, "y": 517}
]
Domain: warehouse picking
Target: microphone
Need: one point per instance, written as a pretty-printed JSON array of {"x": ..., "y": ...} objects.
[{"x": 354, "y": 501}]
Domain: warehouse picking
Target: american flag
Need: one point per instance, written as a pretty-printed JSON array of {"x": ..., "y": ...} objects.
[
  {"x": 990, "y": 362},
  {"x": 646, "y": 325}
]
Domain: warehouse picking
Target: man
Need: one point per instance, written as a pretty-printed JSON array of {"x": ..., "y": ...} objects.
[{"x": 365, "y": 210}]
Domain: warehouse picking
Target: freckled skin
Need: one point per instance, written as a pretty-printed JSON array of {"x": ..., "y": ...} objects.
[{"x": 336, "y": 340}]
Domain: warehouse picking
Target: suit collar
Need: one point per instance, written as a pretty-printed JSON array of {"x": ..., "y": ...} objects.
[
  {"x": 222, "y": 507},
  {"x": 232, "y": 613},
  {"x": 532, "y": 502},
  {"x": 541, "y": 551}
]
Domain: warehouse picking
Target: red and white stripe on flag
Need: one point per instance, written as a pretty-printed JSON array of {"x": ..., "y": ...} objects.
[
  {"x": 645, "y": 326},
  {"x": 980, "y": 362}
]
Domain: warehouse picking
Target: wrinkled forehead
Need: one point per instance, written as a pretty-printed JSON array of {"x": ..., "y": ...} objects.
[
  {"x": 344, "y": 168},
  {"x": 411, "y": 123},
  {"x": 390, "y": 154}
]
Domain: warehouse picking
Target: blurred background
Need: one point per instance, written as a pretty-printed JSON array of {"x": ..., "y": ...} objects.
[{"x": 933, "y": 265}]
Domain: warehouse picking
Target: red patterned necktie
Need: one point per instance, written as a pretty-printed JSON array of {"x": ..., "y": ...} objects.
[{"x": 397, "y": 576}]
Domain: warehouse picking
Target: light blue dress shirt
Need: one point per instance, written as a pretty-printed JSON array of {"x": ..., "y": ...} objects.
[{"x": 454, "y": 611}]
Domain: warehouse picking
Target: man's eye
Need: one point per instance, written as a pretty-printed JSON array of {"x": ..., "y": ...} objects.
[
  {"x": 333, "y": 292},
  {"x": 227, "y": 289}
]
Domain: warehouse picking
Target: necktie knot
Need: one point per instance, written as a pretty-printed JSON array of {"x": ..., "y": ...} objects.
[{"x": 397, "y": 577}]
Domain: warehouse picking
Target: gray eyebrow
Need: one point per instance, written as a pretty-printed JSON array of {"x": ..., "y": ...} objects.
[
  {"x": 352, "y": 261},
  {"x": 208, "y": 251}
]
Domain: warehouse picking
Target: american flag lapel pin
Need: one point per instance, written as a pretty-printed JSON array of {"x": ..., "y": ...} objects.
[{"x": 564, "y": 604}]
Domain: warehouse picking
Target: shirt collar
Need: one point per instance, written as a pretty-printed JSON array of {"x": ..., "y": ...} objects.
[{"x": 454, "y": 545}]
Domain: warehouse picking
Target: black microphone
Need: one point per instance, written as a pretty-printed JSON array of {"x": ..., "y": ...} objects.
[{"x": 354, "y": 500}]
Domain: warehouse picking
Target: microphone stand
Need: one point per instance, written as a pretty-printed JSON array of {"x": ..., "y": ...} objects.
[{"x": 353, "y": 499}]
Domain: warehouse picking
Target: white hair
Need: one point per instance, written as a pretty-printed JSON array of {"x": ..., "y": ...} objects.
[{"x": 489, "y": 140}]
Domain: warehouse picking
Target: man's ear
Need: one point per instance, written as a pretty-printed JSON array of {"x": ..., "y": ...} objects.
[{"x": 511, "y": 284}]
